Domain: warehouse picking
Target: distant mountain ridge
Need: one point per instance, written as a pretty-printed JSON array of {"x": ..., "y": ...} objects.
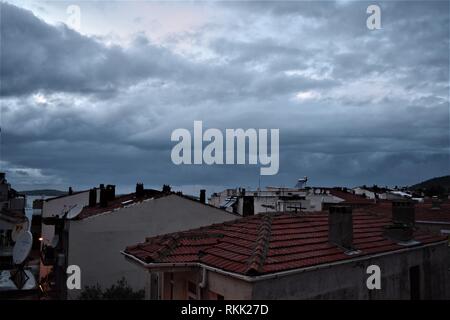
[
  {"x": 44, "y": 192},
  {"x": 443, "y": 181}
]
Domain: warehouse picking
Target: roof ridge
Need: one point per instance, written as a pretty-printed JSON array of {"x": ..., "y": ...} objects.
[
  {"x": 168, "y": 244},
  {"x": 259, "y": 253}
]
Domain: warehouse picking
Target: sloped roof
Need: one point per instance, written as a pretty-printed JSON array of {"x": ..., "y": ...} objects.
[
  {"x": 423, "y": 211},
  {"x": 118, "y": 202},
  {"x": 268, "y": 243},
  {"x": 350, "y": 198}
]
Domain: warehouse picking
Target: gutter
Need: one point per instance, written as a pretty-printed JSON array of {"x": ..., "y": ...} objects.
[
  {"x": 277, "y": 274},
  {"x": 432, "y": 222}
]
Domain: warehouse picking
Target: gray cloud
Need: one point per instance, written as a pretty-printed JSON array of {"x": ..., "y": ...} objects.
[
  {"x": 374, "y": 107},
  {"x": 37, "y": 56}
]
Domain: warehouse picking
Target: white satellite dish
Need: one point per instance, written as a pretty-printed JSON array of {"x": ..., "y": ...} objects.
[
  {"x": 55, "y": 241},
  {"x": 74, "y": 211},
  {"x": 22, "y": 247},
  {"x": 19, "y": 228}
]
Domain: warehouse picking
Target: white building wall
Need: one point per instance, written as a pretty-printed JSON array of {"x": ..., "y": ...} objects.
[
  {"x": 95, "y": 243},
  {"x": 53, "y": 207}
]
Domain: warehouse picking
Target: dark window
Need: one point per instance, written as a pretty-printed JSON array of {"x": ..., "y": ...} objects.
[
  {"x": 414, "y": 282},
  {"x": 171, "y": 286},
  {"x": 192, "y": 288}
]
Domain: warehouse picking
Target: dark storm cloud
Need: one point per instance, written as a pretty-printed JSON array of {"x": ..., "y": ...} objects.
[
  {"x": 353, "y": 106},
  {"x": 37, "y": 56}
]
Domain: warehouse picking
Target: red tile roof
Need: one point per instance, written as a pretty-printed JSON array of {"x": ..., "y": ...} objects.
[
  {"x": 263, "y": 243},
  {"x": 423, "y": 211}
]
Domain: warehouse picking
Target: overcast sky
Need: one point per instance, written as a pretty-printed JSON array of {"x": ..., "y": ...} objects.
[{"x": 97, "y": 105}]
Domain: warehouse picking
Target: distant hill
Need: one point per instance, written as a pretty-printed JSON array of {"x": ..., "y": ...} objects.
[
  {"x": 44, "y": 192},
  {"x": 443, "y": 182}
]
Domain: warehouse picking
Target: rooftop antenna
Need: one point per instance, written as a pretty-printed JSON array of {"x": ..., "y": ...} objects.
[
  {"x": 301, "y": 183},
  {"x": 21, "y": 278},
  {"x": 19, "y": 228}
]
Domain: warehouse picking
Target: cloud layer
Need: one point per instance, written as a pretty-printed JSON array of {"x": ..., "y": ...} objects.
[{"x": 353, "y": 106}]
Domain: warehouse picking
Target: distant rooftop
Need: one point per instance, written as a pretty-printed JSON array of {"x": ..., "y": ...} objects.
[
  {"x": 423, "y": 211},
  {"x": 118, "y": 202},
  {"x": 349, "y": 198}
]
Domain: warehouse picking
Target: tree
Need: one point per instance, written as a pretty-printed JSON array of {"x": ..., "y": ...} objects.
[{"x": 119, "y": 291}]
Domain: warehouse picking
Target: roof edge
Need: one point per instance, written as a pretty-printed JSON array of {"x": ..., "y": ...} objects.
[{"x": 280, "y": 273}]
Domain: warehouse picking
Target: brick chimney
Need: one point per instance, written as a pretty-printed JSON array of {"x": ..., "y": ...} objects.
[
  {"x": 403, "y": 221},
  {"x": 340, "y": 226},
  {"x": 403, "y": 212},
  {"x": 203, "y": 196}
]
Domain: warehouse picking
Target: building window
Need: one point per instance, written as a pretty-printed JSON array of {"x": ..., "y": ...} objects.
[
  {"x": 192, "y": 290},
  {"x": 414, "y": 282}
]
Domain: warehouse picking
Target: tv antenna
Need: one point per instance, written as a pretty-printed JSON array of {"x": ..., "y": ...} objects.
[{"x": 19, "y": 228}]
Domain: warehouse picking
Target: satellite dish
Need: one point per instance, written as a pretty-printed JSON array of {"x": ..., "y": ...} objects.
[
  {"x": 55, "y": 241},
  {"x": 19, "y": 228},
  {"x": 74, "y": 211},
  {"x": 22, "y": 247}
]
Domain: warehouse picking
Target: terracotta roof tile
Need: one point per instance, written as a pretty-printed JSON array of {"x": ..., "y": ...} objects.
[{"x": 265, "y": 243}]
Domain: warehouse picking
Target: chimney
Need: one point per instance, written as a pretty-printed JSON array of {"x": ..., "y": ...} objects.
[
  {"x": 403, "y": 221},
  {"x": 111, "y": 192},
  {"x": 92, "y": 197},
  {"x": 139, "y": 190},
  {"x": 403, "y": 213},
  {"x": 203, "y": 196},
  {"x": 248, "y": 206},
  {"x": 103, "y": 198},
  {"x": 435, "y": 203},
  {"x": 340, "y": 226}
]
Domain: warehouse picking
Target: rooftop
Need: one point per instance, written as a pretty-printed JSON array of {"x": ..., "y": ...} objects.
[
  {"x": 264, "y": 244},
  {"x": 423, "y": 211},
  {"x": 118, "y": 202},
  {"x": 349, "y": 198}
]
